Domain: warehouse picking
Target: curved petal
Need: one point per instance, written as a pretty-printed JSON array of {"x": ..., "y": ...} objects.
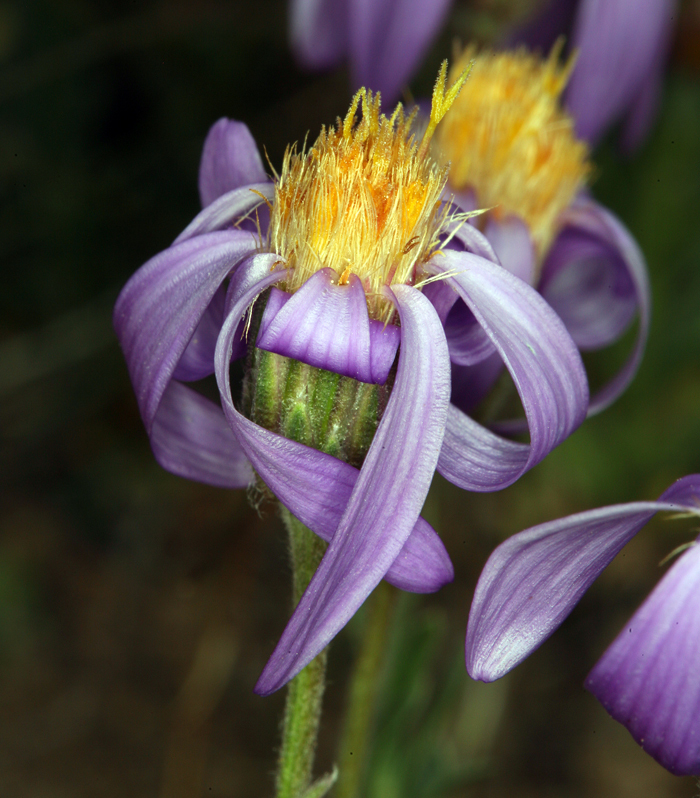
[
  {"x": 230, "y": 159},
  {"x": 540, "y": 356},
  {"x": 386, "y": 500},
  {"x": 648, "y": 678},
  {"x": 226, "y": 210},
  {"x": 533, "y": 580},
  {"x": 471, "y": 384},
  {"x": 314, "y": 486},
  {"x": 191, "y": 438},
  {"x": 626, "y": 263},
  {"x": 327, "y": 325},
  {"x": 617, "y": 43},
  {"x": 467, "y": 340},
  {"x": 388, "y": 39},
  {"x": 318, "y": 32},
  {"x": 160, "y": 307}
]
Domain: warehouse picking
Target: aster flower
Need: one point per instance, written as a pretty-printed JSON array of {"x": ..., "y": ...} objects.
[
  {"x": 356, "y": 229},
  {"x": 384, "y": 40},
  {"x": 648, "y": 678},
  {"x": 512, "y": 150},
  {"x": 622, "y": 50}
]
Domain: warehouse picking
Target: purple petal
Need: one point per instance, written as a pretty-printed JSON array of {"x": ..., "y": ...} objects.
[
  {"x": 388, "y": 39},
  {"x": 597, "y": 301},
  {"x": 531, "y": 582},
  {"x": 327, "y": 326},
  {"x": 510, "y": 239},
  {"x": 467, "y": 340},
  {"x": 472, "y": 241},
  {"x": 314, "y": 486},
  {"x": 648, "y": 678},
  {"x": 618, "y": 44},
  {"x": 472, "y": 384},
  {"x": 230, "y": 159},
  {"x": 541, "y": 32},
  {"x": 542, "y": 359},
  {"x": 318, "y": 30},
  {"x": 226, "y": 210},
  {"x": 191, "y": 438},
  {"x": 386, "y": 500},
  {"x": 160, "y": 307}
]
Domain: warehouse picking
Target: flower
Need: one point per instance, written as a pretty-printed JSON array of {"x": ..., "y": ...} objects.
[
  {"x": 356, "y": 229},
  {"x": 621, "y": 50},
  {"x": 512, "y": 149},
  {"x": 384, "y": 40},
  {"x": 621, "y": 53},
  {"x": 647, "y": 679}
]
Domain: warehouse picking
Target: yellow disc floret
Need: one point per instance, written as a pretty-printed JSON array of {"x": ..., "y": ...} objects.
[
  {"x": 364, "y": 200},
  {"x": 508, "y": 139}
]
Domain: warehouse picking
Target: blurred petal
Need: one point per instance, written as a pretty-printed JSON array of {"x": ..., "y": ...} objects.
[
  {"x": 226, "y": 210},
  {"x": 597, "y": 301},
  {"x": 191, "y": 438},
  {"x": 386, "y": 500},
  {"x": 314, "y": 486},
  {"x": 230, "y": 159},
  {"x": 327, "y": 325},
  {"x": 471, "y": 384},
  {"x": 648, "y": 678},
  {"x": 160, "y": 307},
  {"x": 467, "y": 340},
  {"x": 510, "y": 239},
  {"x": 388, "y": 39},
  {"x": 531, "y": 582},
  {"x": 540, "y": 356},
  {"x": 541, "y": 32},
  {"x": 618, "y": 44},
  {"x": 318, "y": 31}
]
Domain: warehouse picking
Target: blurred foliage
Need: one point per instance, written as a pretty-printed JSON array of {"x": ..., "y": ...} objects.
[{"x": 136, "y": 609}]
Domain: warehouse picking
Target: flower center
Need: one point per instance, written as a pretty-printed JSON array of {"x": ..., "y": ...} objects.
[
  {"x": 509, "y": 140},
  {"x": 364, "y": 200}
]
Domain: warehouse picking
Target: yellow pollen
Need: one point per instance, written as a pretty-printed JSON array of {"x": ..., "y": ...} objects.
[
  {"x": 364, "y": 199},
  {"x": 508, "y": 139}
]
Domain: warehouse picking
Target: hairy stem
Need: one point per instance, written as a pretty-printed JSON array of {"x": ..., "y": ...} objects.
[{"x": 305, "y": 692}]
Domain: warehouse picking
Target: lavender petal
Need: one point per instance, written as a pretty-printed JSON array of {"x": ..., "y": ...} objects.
[
  {"x": 386, "y": 500},
  {"x": 533, "y": 580},
  {"x": 230, "y": 159},
  {"x": 160, "y": 307},
  {"x": 327, "y": 326},
  {"x": 542, "y": 359},
  {"x": 510, "y": 239},
  {"x": 318, "y": 32},
  {"x": 648, "y": 678},
  {"x": 191, "y": 438}
]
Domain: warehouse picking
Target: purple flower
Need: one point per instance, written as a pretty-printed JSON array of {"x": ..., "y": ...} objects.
[
  {"x": 648, "y": 678},
  {"x": 512, "y": 150},
  {"x": 384, "y": 40},
  {"x": 355, "y": 230},
  {"x": 622, "y": 48}
]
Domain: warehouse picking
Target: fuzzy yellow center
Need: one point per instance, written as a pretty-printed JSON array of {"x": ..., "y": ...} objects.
[
  {"x": 508, "y": 139},
  {"x": 364, "y": 200}
]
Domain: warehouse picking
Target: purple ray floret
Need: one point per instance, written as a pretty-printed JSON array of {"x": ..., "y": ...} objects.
[{"x": 648, "y": 677}]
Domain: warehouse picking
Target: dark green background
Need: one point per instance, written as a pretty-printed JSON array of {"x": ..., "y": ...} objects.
[{"x": 137, "y": 609}]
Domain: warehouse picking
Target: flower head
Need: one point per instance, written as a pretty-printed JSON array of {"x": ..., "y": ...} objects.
[
  {"x": 647, "y": 679},
  {"x": 355, "y": 232}
]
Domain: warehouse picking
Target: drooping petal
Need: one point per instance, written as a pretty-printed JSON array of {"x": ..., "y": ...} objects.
[
  {"x": 191, "y": 438},
  {"x": 472, "y": 240},
  {"x": 471, "y": 384},
  {"x": 618, "y": 44},
  {"x": 388, "y": 39},
  {"x": 386, "y": 500},
  {"x": 160, "y": 307},
  {"x": 648, "y": 678},
  {"x": 327, "y": 325},
  {"x": 226, "y": 210},
  {"x": 318, "y": 32},
  {"x": 314, "y": 486},
  {"x": 540, "y": 356},
  {"x": 467, "y": 340},
  {"x": 533, "y": 580},
  {"x": 230, "y": 159},
  {"x": 595, "y": 279},
  {"x": 510, "y": 239}
]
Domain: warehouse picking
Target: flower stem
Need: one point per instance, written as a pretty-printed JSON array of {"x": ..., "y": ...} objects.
[
  {"x": 305, "y": 692},
  {"x": 364, "y": 688}
]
